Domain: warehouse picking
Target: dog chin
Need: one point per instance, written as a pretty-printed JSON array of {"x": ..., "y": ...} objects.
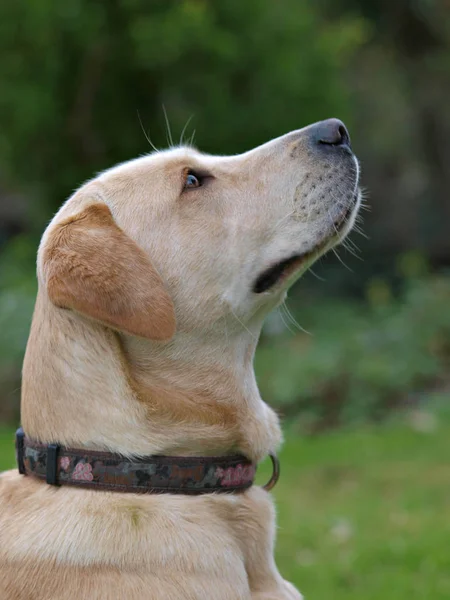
[
  {"x": 347, "y": 222},
  {"x": 291, "y": 267}
]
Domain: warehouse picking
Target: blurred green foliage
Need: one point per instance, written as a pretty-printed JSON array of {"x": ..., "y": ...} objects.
[
  {"x": 77, "y": 75},
  {"x": 361, "y": 359}
]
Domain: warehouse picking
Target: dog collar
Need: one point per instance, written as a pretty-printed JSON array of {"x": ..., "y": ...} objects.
[{"x": 58, "y": 465}]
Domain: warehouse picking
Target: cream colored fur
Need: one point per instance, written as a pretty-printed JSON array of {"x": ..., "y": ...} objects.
[{"x": 142, "y": 343}]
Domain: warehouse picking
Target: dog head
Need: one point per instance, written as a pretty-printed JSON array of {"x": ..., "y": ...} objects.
[{"x": 181, "y": 242}]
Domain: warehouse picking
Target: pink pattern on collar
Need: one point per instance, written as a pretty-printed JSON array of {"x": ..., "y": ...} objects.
[
  {"x": 238, "y": 475},
  {"x": 64, "y": 462},
  {"x": 83, "y": 472}
]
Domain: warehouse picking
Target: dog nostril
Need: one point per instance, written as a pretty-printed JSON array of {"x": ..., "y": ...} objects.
[
  {"x": 331, "y": 132},
  {"x": 345, "y": 138}
]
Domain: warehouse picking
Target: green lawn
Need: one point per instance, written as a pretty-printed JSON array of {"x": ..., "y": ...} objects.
[{"x": 363, "y": 514}]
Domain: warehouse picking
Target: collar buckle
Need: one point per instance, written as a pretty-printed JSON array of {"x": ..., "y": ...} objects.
[{"x": 275, "y": 472}]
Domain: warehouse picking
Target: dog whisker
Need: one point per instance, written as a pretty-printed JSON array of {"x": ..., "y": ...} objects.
[
  {"x": 169, "y": 132},
  {"x": 286, "y": 324},
  {"x": 282, "y": 220},
  {"x": 146, "y": 135},
  {"x": 293, "y": 320},
  {"x": 243, "y": 325},
  {"x": 361, "y": 232},
  {"x": 341, "y": 261},
  {"x": 183, "y": 131},
  {"x": 191, "y": 141},
  {"x": 351, "y": 251},
  {"x": 351, "y": 243},
  {"x": 315, "y": 274}
]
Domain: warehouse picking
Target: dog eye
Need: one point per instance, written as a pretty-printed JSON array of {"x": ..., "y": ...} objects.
[{"x": 192, "y": 181}]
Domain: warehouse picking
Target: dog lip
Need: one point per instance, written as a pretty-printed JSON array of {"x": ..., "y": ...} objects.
[
  {"x": 344, "y": 216},
  {"x": 276, "y": 272}
]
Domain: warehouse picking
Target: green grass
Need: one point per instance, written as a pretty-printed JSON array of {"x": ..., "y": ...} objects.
[
  {"x": 362, "y": 514},
  {"x": 7, "y": 452}
]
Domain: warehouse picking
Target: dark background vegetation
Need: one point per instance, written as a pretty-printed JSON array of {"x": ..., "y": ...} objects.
[
  {"x": 363, "y": 510},
  {"x": 81, "y": 81}
]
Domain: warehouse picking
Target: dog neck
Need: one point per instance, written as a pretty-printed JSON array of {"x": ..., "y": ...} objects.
[{"x": 86, "y": 386}]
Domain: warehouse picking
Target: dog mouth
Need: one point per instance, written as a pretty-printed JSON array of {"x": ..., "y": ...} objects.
[
  {"x": 273, "y": 275},
  {"x": 283, "y": 269}
]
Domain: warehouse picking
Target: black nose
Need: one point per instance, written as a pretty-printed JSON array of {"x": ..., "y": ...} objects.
[{"x": 331, "y": 132}]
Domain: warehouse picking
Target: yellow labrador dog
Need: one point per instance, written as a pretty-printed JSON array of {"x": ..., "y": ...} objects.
[{"x": 154, "y": 281}]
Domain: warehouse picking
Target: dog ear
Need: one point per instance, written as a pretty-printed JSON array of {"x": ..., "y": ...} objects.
[{"x": 91, "y": 266}]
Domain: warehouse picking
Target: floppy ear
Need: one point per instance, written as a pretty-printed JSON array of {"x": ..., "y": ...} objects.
[{"x": 91, "y": 266}]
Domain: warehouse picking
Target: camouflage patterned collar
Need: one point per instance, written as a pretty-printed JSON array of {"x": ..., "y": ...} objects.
[{"x": 58, "y": 465}]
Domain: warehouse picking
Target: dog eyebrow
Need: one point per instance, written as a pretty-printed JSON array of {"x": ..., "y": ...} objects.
[{"x": 200, "y": 171}]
